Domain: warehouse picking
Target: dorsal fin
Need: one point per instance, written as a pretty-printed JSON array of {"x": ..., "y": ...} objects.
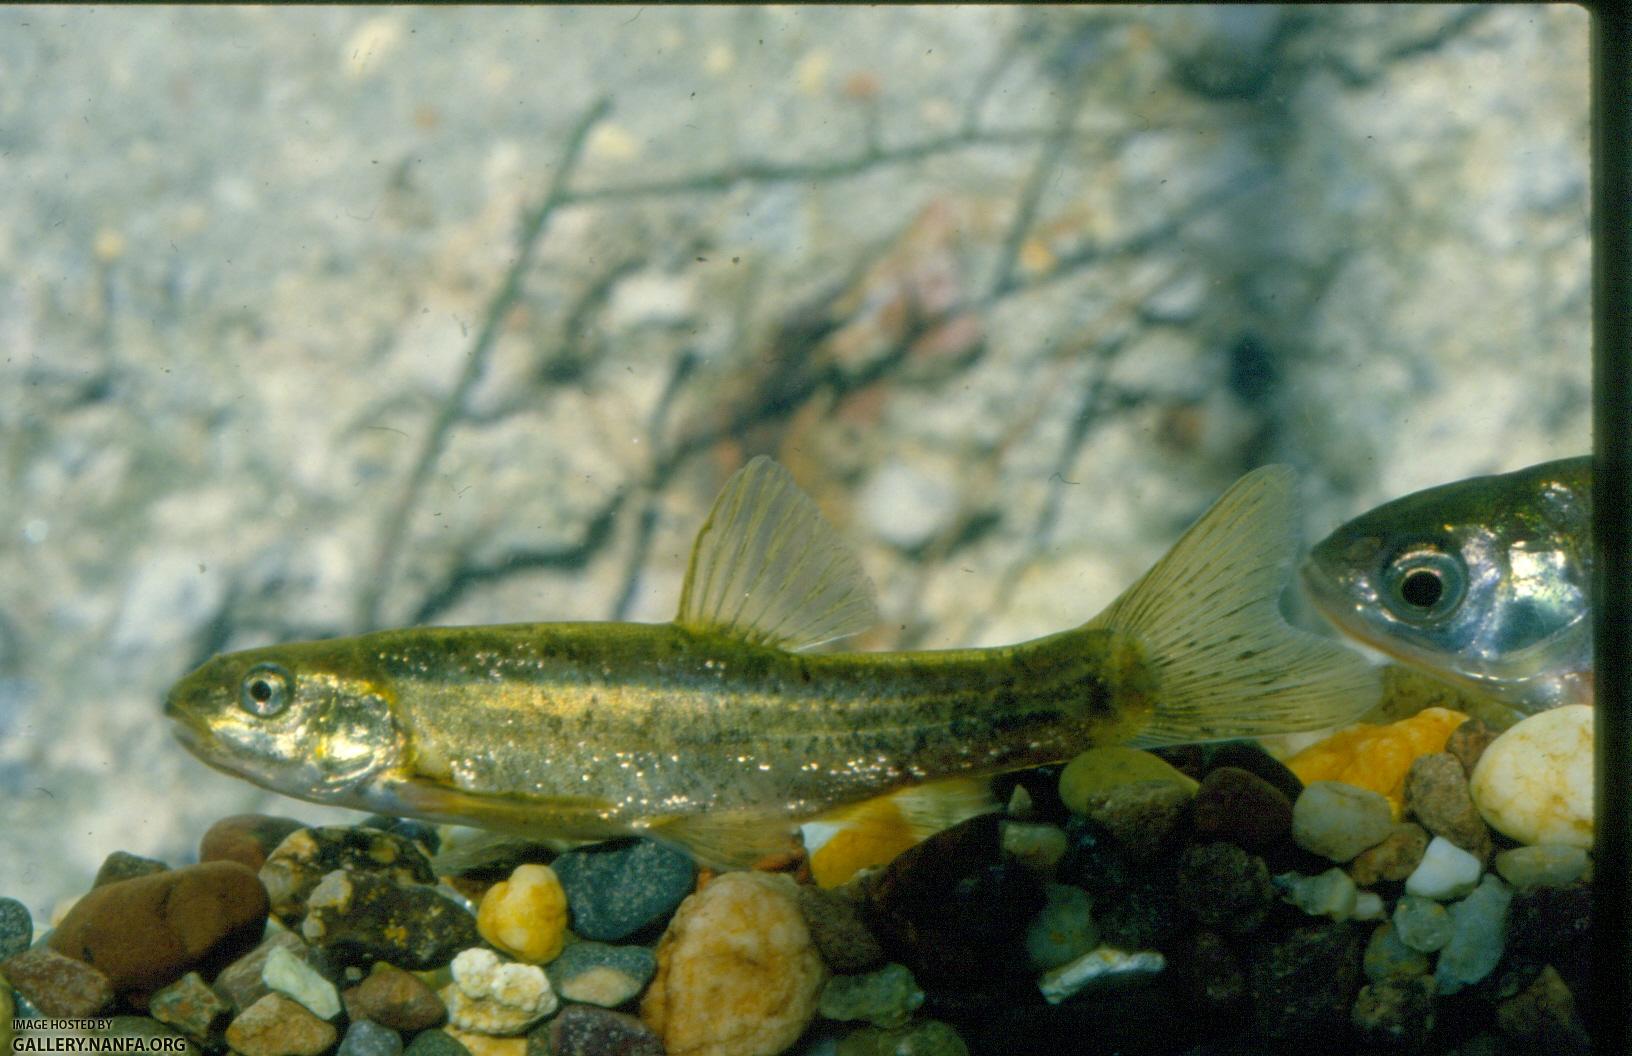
[{"x": 766, "y": 567}]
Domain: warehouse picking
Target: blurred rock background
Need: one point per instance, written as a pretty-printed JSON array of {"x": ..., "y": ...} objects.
[{"x": 320, "y": 320}]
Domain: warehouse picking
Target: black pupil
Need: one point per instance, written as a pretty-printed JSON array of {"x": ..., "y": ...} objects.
[
  {"x": 1422, "y": 589},
  {"x": 261, "y": 690}
]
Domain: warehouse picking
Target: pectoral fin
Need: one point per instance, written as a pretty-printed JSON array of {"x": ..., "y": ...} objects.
[{"x": 767, "y": 568}]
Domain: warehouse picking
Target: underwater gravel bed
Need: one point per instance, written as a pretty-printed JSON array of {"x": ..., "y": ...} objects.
[{"x": 1195, "y": 900}]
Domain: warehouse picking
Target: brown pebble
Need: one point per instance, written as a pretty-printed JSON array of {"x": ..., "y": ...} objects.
[
  {"x": 240, "y": 982},
  {"x": 583, "y": 1030},
  {"x": 838, "y": 932},
  {"x": 247, "y": 839},
  {"x": 58, "y": 985},
  {"x": 1436, "y": 791},
  {"x": 1241, "y": 807},
  {"x": 1141, "y": 815},
  {"x": 394, "y": 998},
  {"x": 122, "y": 866},
  {"x": 149, "y": 931},
  {"x": 1468, "y": 742},
  {"x": 190, "y": 1006},
  {"x": 1393, "y": 859},
  {"x": 277, "y": 1026}
]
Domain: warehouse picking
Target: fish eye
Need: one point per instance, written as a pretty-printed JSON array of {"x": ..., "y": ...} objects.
[
  {"x": 1423, "y": 583},
  {"x": 265, "y": 690}
]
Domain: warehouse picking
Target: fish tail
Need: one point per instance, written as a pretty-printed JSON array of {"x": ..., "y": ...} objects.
[{"x": 1218, "y": 659}]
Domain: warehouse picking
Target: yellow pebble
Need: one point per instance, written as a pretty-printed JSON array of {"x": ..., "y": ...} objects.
[
  {"x": 1377, "y": 757},
  {"x": 526, "y": 915},
  {"x": 487, "y": 1045},
  {"x": 1101, "y": 769}
]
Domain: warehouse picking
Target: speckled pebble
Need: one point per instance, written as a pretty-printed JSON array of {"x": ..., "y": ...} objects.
[
  {"x": 1436, "y": 792},
  {"x": 1446, "y": 872},
  {"x": 1393, "y": 859},
  {"x": 885, "y": 998},
  {"x": 1468, "y": 743},
  {"x": 1239, "y": 806},
  {"x": 245, "y": 838},
  {"x": 58, "y": 985},
  {"x": 594, "y": 973},
  {"x": 837, "y": 930},
  {"x": 1302, "y": 988},
  {"x": 305, "y": 857},
  {"x": 394, "y": 998},
  {"x": 582, "y": 1030},
  {"x": 16, "y": 927},
  {"x": 1104, "y": 965},
  {"x": 927, "y": 1037},
  {"x": 277, "y": 1026},
  {"x": 121, "y": 865},
  {"x": 1338, "y": 821},
  {"x": 359, "y": 918},
  {"x": 1478, "y": 936},
  {"x": 1534, "y": 783},
  {"x": 1395, "y": 1015},
  {"x": 1542, "y": 865},
  {"x": 1329, "y": 894},
  {"x": 189, "y": 1005},
  {"x": 1386, "y": 957},
  {"x": 619, "y": 888},
  {"x": 1063, "y": 930},
  {"x": 490, "y": 996},
  {"x": 436, "y": 1043},
  {"x": 240, "y": 982},
  {"x": 294, "y": 978},
  {"x": 364, "y": 1038},
  {"x": 1141, "y": 815},
  {"x": 1421, "y": 923},
  {"x": 526, "y": 915},
  {"x": 1226, "y": 888}
]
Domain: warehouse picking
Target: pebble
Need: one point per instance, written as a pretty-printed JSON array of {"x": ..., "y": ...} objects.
[
  {"x": 1330, "y": 894},
  {"x": 927, "y": 1037},
  {"x": 365, "y": 1038},
  {"x": 1377, "y": 758},
  {"x": 594, "y": 973},
  {"x": 487, "y": 1044},
  {"x": 526, "y": 915},
  {"x": 1534, "y": 783},
  {"x": 1542, "y": 865},
  {"x": 189, "y": 1005},
  {"x": 1093, "y": 859},
  {"x": 1251, "y": 757},
  {"x": 436, "y": 1043},
  {"x": 16, "y": 927},
  {"x": 837, "y": 929},
  {"x": 121, "y": 865},
  {"x": 306, "y": 856},
  {"x": 619, "y": 888},
  {"x": 394, "y": 998},
  {"x": 490, "y": 996},
  {"x": 1035, "y": 844},
  {"x": 1106, "y": 964},
  {"x": 1468, "y": 742},
  {"x": 1239, "y": 806},
  {"x": 1386, "y": 957},
  {"x": 737, "y": 973},
  {"x": 1209, "y": 972},
  {"x": 240, "y": 982},
  {"x": 149, "y": 931},
  {"x": 953, "y": 904},
  {"x": 1395, "y": 1015},
  {"x": 58, "y": 985},
  {"x": 1226, "y": 888},
  {"x": 1543, "y": 1015},
  {"x": 582, "y": 1030},
  {"x": 245, "y": 838},
  {"x": 1394, "y": 859},
  {"x": 1446, "y": 872},
  {"x": 1436, "y": 791},
  {"x": 1368, "y": 905},
  {"x": 1338, "y": 821},
  {"x": 1140, "y": 815},
  {"x": 1303, "y": 987},
  {"x": 885, "y": 998},
  {"x": 1063, "y": 930},
  {"x": 1478, "y": 936},
  {"x": 1101, "y": 770},
  {"x": 359, "y": 918},
  {"x": 294, "y": 978},
  {"x": 1421, "y": 923},
  {"x": 277, "y": 1026},
  {"x": 1144, "y": 914},
  {"x": 1549, "y": 921}
]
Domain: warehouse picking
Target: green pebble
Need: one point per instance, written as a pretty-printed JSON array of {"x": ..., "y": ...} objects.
[
  {"x": 1542, "y": 865},
  {"x": 928, "y": 1037},
  {"x": 436, "y": 1043},
  {"x": 1421, "y": 923},
  {"x": 1100, "y": 769},
  {"x": 1062, "y": 930},
  {"x": 885, "y": 998},
  {"x": 1330, "y": 894}
]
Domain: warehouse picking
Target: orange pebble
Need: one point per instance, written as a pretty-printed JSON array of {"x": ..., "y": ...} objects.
[{"x": 1377, "y": 757}]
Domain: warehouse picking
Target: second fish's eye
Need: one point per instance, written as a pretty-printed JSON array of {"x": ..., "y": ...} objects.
[
  {"x": 1423, "y": 582},
  {"x": 265, "y": 690}
]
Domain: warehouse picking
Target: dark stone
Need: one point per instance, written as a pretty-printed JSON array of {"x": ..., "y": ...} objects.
[
  {"x": 583, "y": 1030},
  {"x": 1138, "y": 1017},
  {"x": 1237, "y": 805},
  {"x": 622, "y": 887},
  {"x": 418, "y": 831},
  {"x": 1251, "y": 757},
  {"x": 1042, "y": 784},
  {"x": 394, "y": 998},
  {"x": 364, "y": 1038},
  {"x": 1436, "y": 791},
  {"x": 1549, "y": 920},
  {"x": 360, "y": 918},
  {"x": 149, "y": 931},
  {"x": 1543, "y": 1018},
  {"x": 122, "y": 866},
  {"x": 247, "y": 839},
  {"x": 1142, "y": 915},
  {"x": 1207, "y": 973},
  {"x": 59, "y": 986},
  {"x": 837, "y": 929},
  {"x": 1304, "y": 986},
  {"x": 1093, "y": 859},
  {"x": 436, "y": 1043},
  {"x": 306, "y": 856},
  {"x": 1226, "y": 888},
  {"x": 1396, "y": 1015},
  {"x": 597, "y": 974},
  {"x": 16, "y": 928}
]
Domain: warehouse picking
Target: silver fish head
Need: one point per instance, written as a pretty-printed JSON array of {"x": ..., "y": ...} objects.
[
  {"x": 292, "y": 720},
  {"x": 1485, "y": 581}
]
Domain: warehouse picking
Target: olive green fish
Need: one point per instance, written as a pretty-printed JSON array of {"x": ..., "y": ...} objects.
[
  {"x": 1485, "y": 582},
  {"x": 716, "y": 733}
]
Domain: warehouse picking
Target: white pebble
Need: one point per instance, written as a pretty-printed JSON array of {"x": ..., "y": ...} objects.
[
  {"x": 1534, "y": 782},
  {"x": 294, "y": 978},
  {"x": 1331, "y": 894},
  {"x": 1368, "y": 905},
  {"x": 1103, "y": 963},
  {"x": 1446, "y": 872},
  {"x": 1338, "y": 821}
]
